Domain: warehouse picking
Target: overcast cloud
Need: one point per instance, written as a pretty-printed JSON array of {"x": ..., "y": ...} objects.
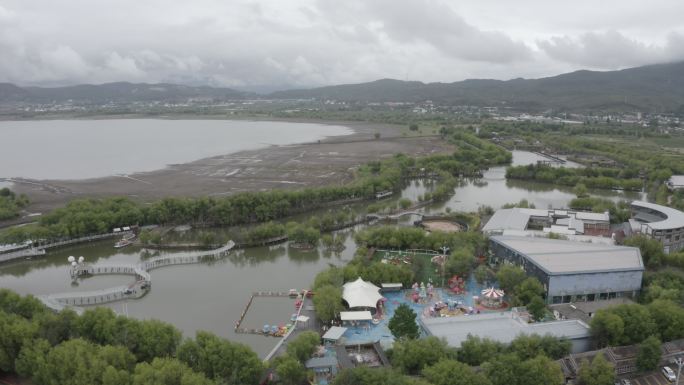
[{"x": 303, "y": 43}]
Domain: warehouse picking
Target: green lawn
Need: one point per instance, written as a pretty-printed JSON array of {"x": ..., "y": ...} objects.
[{"x": 419, "y": 261}]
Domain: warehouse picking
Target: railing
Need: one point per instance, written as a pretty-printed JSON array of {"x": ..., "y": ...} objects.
[{"x": 132, "y": 291}]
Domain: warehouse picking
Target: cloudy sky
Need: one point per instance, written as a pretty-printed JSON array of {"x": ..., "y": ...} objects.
[{"x": 303, "y": 43}]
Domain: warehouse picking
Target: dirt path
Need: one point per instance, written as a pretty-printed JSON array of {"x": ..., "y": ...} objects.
[{"x": 330, "y": 162}]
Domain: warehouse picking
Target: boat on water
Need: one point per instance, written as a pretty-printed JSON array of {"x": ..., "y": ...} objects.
[{"x": 123, "y": 243}]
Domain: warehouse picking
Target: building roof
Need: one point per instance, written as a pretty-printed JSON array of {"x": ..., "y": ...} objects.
[
  {"x": 676, "y": 181},
  {"x": 502, "y": 327},
  {"x": 673, "y": 218},
  {"x": 560, "y": 257},
  {"x": 334, "y": 333},
  {"x": 583, "y": 311},
  {"x": 321, "y": 362},
  {"x": 507, "y": 219},
  {"x": 517, "y": 218},
  {"x": 360, "y": 293},
  {"x": 356, "y": 315}
]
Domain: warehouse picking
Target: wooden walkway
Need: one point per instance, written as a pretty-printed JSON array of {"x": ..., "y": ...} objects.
[
  {"x": 39, "y": 249},
  {"x": 137, "y": 289}
]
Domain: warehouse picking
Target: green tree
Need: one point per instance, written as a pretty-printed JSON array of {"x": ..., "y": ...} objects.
[
  {"x": 16, "y": 332},
  {"x": 508, "y": 369},
  {"x": 403, "y": 323},
  {"x": 328, "y": 302},
  {"x": 451, "y": 372},
  {"x": 290, "y": 371},
  {"x": 31, "y": 362},
  {"x": 413, "y": 127},
  {"x": 145, "y": 237},
  {"x": 537, "y": 308},
  {"x": 669, "y": 319},
  {"x": 580, "y": 190},
  {"x": 607, "y": 328},
  {"x": 475, "y": 350},
  {"x": 460, "y": 262},
  {"x": 649, "y": 354},
  {"x": 221, "y": 360},
  {"x": 481, "y": 274},
  {"x": 78, "y": 362},
  {"x": 529, "y": 289},
  {"x": 168, "y": 371},
  {"x": 302, "y": 347},
  {"x": 404, "y": 203},
  {"x": 598, "y": 372},
  {"x": 412, "y": 356},
  {"x": 372, "y": 376},
  {"x": 509, "y": 277},
  {"x": 638, "y": 323},
  {"x": 651, "y": 250},
  {"x": 530, "y": 346}
]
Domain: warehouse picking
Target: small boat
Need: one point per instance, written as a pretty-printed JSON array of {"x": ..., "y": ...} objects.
[{"x": 122, "y": 243}]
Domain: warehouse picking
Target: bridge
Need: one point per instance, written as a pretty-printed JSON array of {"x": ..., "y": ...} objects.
[
  {"x": 393, "y": 216},
  {"x": 38, "y": 249},
  {"x": 136, "y": 289}
]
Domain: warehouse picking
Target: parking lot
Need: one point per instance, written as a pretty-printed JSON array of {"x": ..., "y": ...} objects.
[{"x": 653, "y": 378}]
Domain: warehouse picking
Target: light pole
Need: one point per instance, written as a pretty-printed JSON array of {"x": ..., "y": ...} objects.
[
  {"x": 444, "y": 251},
  {"x": 679, "y": 363}
]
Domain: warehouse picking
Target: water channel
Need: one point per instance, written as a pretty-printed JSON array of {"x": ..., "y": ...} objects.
[{"x": 212, "y": 297}]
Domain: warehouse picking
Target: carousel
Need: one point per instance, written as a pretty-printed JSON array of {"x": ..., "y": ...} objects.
[{"x": 492, "y": 298}]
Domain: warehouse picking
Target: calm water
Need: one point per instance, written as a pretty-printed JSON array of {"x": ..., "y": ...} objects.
[
  {"x": 192, "y": 297},
  {"x": 212, "y": 297},
  {"x": 495, "y": 191},
  {"x": 79, "y": 149}
]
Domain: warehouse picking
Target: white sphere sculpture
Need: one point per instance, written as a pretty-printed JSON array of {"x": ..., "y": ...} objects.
[
  {"x": 71, "y": 258},
  {"x": 81, "y": 259},
  {"x": 73, "y": 263}
]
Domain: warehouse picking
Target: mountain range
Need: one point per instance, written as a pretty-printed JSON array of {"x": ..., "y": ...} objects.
[{"x": 652, "y": 88}]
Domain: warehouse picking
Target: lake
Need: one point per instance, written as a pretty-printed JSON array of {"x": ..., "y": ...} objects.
[{"x": 81, "y": 149}]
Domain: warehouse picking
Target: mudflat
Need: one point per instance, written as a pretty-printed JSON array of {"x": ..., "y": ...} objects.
[{"x": 331, "y": 161}]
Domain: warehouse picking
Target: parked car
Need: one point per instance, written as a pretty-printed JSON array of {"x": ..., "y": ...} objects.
[{"x": 669, "y": 374}]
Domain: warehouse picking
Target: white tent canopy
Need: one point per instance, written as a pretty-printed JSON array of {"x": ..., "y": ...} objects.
[
  {"x": 356, "y": 315},
  {"x": 334, "y": 333},
  {"x": 361, "y": 294},
  {"x": 492, "y": 293}
]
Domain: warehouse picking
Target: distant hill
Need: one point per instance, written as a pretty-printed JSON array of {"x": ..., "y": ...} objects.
[
  {"x": 116, "y": 92},
  {"x": 654, "y": 88},
  {"x": 657, "y": 88}
]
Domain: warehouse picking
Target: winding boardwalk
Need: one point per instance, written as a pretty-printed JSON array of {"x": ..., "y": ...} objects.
[
  {"x": 393, "y": 216},
  {"x": 137, "y": 289},
  {"x": 39, "y": 249}
]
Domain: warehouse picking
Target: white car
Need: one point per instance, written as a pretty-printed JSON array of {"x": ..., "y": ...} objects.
[{"x": 669, "y": 374}]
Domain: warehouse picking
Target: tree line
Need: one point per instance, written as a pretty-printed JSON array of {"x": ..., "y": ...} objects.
[
  {"x": 591, "y": 177},
  {"x": 11, "y": 204},
  {"x": 100, "y": 347}
]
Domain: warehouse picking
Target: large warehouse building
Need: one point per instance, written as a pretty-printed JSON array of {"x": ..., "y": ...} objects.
[
  {"x": 573, "y": 271},
  {"x": 662, "y": 223}
]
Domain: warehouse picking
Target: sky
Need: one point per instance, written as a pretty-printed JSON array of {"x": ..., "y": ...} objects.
[{"x": 306, "y": 43}]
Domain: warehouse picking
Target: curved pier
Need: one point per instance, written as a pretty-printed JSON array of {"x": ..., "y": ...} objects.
[{"x": 136, "y": 289}]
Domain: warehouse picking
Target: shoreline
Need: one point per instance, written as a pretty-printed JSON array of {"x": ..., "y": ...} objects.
[{"x": 330, "y": 161}]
